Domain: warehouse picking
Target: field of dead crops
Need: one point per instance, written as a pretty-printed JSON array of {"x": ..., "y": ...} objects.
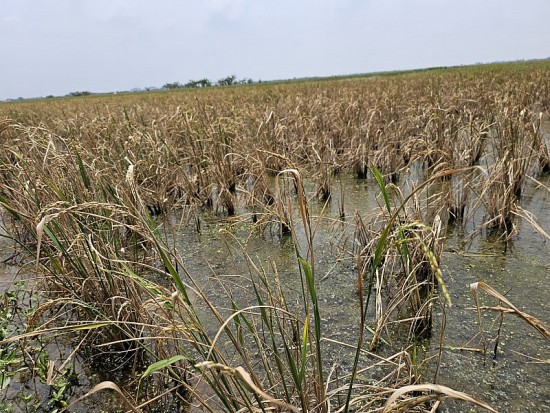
[{"x": 92, "y": 190}]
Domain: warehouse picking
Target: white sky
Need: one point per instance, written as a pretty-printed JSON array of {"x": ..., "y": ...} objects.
[{"x": 53, "y": 47}]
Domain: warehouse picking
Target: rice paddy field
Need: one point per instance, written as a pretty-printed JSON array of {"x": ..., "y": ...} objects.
[{"x": 361, "y": 244}]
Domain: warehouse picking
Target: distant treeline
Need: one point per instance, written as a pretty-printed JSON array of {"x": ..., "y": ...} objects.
[
  {"x": 226, "y": 81},
  {"x": 232, "y": 79}
]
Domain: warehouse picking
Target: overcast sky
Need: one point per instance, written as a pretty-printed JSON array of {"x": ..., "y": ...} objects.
[{"x": 53, "y": 47}]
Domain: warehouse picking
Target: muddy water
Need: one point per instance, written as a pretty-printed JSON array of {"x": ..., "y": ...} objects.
[{"x": 512, "y": 381}]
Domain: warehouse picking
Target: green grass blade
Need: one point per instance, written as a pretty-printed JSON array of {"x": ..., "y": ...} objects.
[
  {"x": 161, "y": 364},
  {"x": 316, "y": 315},
  {"x": 380, "y": 181},
  {"x": 305, "y": 340},
  {"x": 82, "y": 170}
]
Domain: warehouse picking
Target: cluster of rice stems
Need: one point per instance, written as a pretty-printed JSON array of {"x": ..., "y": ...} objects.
[
  {"x": 86, "y": 184},
  {"x": 84, "y": 233},
  {"x": 398, "y": 255}
]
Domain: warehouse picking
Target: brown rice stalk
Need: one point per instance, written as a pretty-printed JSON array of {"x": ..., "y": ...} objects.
[
  {"x": 529, "y": 319},
  {"x": 437, "y": 392},
  {"x": 541, "y": 144},
  {"x": 407, "y": 275},
  {"x": 460, "y": 198},
  {"x": 499, "y": 196}
]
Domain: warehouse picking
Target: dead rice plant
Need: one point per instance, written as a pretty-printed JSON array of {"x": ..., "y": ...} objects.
[{"x": 399, "y": 256}]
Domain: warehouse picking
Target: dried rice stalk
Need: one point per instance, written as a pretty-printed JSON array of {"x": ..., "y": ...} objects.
[
  {"x": 536, "y": 323},
  {"x": 441, "y": 392}
]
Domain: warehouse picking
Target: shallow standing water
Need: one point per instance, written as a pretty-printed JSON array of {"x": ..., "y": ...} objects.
[
  {"x": 518, "y": 378},
  {"x": 515, "y": 381}
]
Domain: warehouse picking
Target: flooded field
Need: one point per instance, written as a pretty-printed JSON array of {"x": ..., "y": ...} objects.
[
  {"x": 515, "y": 380},
  {"x": 294, "y": 247}
]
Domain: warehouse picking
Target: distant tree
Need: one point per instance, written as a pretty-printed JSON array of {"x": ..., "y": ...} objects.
[
  {"x": 199, "y": 83},
  {"x": 204, "y": 83},
  {"x": 227, "y": 81},
  {"x": 80, "y": 93},
  {"x": 173, "y": 85},
  {"x": 245, "y": 82}
]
